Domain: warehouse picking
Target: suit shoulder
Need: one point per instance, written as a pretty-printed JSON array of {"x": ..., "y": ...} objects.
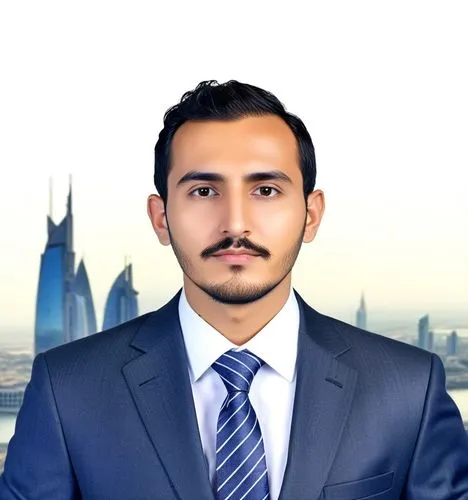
[
  {"x": 104, "y": 343},
  {"x": 379, "y": 345}
]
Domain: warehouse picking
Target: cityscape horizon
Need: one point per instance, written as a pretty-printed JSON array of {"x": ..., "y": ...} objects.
[
  {"x": 378, "y": 319},
  {"x": 378, "y": 322}
]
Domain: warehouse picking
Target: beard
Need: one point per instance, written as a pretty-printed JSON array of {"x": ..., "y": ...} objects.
[{"x": 237, "y": 290}]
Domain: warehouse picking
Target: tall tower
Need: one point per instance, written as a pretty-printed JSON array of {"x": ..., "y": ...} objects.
[
  {"x": 423, "y": 332},
  {"x": 430, "y": 341},
  {"x": 361, "y": 314},
  {"x": 69, "y": 270},
  {"x": 59, "y": 317},
  {"x": 54, "y": 300},
  {"x": 452, "y": 344},
  {"x": 121, "y": 303}
]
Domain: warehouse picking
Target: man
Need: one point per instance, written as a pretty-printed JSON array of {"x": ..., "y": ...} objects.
[{"x": 236, "y": 389}]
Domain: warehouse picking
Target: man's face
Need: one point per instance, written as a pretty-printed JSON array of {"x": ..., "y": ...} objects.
[{"x": 236, "y": 187}]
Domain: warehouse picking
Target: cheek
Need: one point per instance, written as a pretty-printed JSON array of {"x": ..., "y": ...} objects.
[
  {"x": 191, "y": 230},
  {"x": 283, "y": 223}
]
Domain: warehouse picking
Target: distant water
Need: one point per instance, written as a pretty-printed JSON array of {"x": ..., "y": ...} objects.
[
  {"x": 460, "y": 396},
  {"x": 7, "y": 426},
  {"x": 7, "y": 421}
]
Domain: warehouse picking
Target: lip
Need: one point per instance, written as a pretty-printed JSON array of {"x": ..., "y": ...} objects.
[{"x": 235, "y": 257}]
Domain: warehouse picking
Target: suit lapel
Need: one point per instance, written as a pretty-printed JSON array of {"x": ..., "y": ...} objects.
[
  {"x": 160, "y": 386},
  {"x": 159, "y": 382},
  {"x": 324, "y": 393}
]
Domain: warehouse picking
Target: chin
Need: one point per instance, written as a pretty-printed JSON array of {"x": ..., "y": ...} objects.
[{"x": 233, "y": 295}]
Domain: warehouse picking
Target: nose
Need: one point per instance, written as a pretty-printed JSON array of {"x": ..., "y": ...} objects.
[{"x": 235, "y": 217}]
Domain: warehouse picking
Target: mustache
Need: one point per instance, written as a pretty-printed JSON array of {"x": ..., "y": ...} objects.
[{"x": 241, "y": 243}]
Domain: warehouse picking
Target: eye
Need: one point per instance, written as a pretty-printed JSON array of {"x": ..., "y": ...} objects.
[
  {"x": 267, "y": 191},
  {"x": 203, "y": 192}
]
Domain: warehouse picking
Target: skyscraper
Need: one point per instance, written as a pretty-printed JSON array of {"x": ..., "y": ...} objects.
[
  {"x": 423, "y": 332},
  {"x": 430, "y": 341},
  {"x": 121, "y": 304},
  {"x": 361, "y": 314},
  {"x": 84, "y": 317},
  {"x": 64, "y": 305},
  {"x": 452, "y": 344}
]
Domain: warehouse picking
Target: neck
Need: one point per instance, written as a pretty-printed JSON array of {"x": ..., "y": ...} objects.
[{"x": 238, "y": 322}]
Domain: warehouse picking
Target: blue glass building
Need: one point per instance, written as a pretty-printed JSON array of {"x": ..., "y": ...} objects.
[
  {"x": 64, "y": 305},
  {"x": 121, "y": 304},
  {"x": 84, "y": 316}
]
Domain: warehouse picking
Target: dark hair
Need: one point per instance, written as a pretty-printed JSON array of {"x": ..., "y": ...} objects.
[{"x": 228, "y": 101}]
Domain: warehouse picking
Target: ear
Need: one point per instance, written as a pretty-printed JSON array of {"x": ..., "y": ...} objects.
[
  {"x": 315, "y": 209},
  {"x": 157, "y": 215}
]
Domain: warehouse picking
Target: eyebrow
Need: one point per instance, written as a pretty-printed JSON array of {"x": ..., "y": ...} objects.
[{"x": 271, "y": 175}]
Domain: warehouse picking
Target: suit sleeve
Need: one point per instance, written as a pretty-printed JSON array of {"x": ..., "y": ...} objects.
[
  {"x": 37, "y": 464},
  {"x": 439, "y": 468}
]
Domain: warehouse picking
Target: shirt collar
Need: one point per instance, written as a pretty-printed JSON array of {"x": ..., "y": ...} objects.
[{"x": 275, "y": 343}]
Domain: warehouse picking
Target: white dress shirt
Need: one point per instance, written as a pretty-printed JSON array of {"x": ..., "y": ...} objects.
[{"x": 272, "y": 389}]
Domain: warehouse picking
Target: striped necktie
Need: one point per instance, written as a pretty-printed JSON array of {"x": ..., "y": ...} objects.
[{"x": 241, "y": 472}]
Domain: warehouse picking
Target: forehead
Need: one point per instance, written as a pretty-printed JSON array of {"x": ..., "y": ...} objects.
[{"x": 245, "y": 143}]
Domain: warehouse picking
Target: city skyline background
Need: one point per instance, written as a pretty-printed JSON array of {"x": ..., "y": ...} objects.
[
  {"x": 385, "y": 103},
  {"x": 65, "y": 306}
]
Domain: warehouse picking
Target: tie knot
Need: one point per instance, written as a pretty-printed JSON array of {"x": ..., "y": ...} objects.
[{"x": 237, "y": 369}]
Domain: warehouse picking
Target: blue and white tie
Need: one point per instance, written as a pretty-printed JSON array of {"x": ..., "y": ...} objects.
[{"x": 241, "y": 472}]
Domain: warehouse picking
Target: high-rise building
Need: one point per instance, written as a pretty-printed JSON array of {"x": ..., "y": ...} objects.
[
  {"x": 84, "y": 318},
  {"x": 423, "y": 332},
  {"x": 361, "y": 314},
  {"x": 64, "y": 305},
  {"x": 430, "y": 341},
  {"x": 452, "y": 344},
  {"x": 121, "y": 304}
]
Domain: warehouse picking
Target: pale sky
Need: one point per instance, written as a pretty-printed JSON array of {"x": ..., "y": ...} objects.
[{"x": 381, "y": 86}]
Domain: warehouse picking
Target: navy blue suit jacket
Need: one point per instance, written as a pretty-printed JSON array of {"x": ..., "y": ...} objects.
[{"x": 112, "y": 417}]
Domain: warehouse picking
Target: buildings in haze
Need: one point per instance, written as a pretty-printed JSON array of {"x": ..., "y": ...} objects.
[
  {"x": 430, "y": 341},
  {"x": 11, "y": 398},
  {"x": 361, "y": 314},
  {"x": 452, "y": 344},
  {"x": 64, "y": 304},
  {"x": 15, "y": 372},
  {"x": 121, "y": 303},
  {"x": 423, "y": 333}
]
